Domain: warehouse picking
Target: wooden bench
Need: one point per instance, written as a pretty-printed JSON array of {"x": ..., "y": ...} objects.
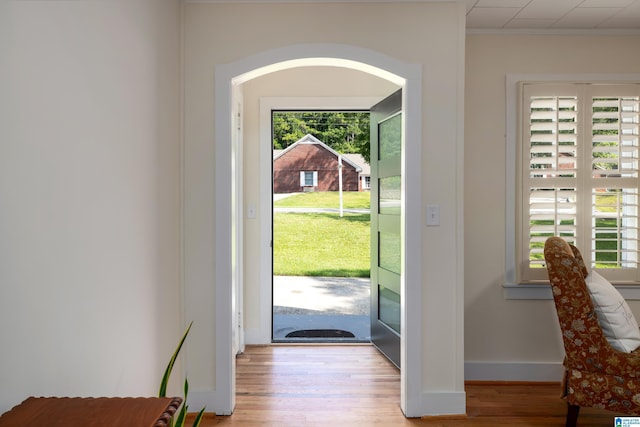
[{"x": 92, "y": 412}]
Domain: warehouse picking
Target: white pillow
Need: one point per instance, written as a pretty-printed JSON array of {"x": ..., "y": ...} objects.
[{"x": 614, "y": 315}]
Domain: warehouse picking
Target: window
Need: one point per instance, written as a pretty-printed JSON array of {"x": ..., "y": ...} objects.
[
  {"x": 579, "y": 172},
  {"x": 366, "y": 182},
  {"x": 309, "y": 179}
]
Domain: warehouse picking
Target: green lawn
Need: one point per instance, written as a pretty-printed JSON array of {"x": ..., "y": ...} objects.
[
  {"x": 327, "y": 199},
  {"x": 606, "y": 234},
  {"x": 322, "y": 244}
]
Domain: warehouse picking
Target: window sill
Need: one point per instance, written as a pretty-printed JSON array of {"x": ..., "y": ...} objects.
[{"x": 542, "y": 291}]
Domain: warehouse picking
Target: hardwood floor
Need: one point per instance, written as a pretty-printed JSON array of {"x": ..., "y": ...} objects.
[{"x": 353, "y": 385}]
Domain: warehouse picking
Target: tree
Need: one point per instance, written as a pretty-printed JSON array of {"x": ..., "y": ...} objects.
[{"x": 344, "y": 131}]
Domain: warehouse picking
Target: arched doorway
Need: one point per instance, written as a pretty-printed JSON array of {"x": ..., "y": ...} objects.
[{"x": 228, "y": 263}]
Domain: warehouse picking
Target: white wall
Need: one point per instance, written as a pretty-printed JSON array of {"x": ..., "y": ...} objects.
[
  {"x": 513, "y": 335},
  {"x": 90, "y": 176},
  {"x": 428, "y": 34},
  {"x": 89, "y": 197}
]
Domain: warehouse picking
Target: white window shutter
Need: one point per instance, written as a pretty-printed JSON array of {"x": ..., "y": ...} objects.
[
  {"x": 550, "y": 163},
  {"x": 580, "y": 167},
  {"x": 301, "y": 178},
  {"x": 315, "y": 178},
  {"x": 614, "y": 156}
]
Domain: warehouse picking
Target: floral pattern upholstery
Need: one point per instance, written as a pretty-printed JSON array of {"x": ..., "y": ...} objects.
[{"x": 596, "y": 375}]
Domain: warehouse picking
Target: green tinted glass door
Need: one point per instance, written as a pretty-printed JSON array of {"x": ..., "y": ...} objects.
[{"x": 386, "y": 267}]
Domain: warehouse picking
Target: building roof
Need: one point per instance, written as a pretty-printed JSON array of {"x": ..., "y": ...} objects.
[
  {"x": 360, "y": 161},
  {"x": 310, "y": 139}
]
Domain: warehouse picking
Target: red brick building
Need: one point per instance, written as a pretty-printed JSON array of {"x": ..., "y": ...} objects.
[{"x": 311, "y": 165}]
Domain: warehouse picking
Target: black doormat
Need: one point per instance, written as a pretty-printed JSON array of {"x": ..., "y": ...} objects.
[{"x": 320, "y": 333}]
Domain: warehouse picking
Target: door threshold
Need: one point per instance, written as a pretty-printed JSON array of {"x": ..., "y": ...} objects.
[{"x": 302, "y": 341}]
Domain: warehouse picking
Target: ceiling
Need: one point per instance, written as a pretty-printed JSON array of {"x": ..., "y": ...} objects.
[
  {"x": 553, "y": 15},
  {"x": 539, "y": 16}
]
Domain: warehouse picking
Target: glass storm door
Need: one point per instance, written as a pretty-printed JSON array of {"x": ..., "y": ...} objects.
[{"x": 386, "y": 179}]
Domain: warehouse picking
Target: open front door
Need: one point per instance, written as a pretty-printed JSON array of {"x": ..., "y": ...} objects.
[{"x": 386, "y": 179}]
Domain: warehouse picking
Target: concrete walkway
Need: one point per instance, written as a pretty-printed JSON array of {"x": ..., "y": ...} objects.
[{"x": 304, "y": 303}]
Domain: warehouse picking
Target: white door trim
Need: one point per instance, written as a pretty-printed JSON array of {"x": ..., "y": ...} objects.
[
  {"x": 263, "y": 334},
  {"x": 407, "y": 76}
]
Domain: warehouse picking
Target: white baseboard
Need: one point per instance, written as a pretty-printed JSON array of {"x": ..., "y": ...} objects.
[
  {"x": 259, "y": 336},
  {"x": 513, "y": 371},
  {"x": 443, "y": 403},
  {"x": 205, "y": 399}
]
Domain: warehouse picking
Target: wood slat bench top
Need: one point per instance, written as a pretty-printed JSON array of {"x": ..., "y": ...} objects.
[{"x": 92, "y": 412}]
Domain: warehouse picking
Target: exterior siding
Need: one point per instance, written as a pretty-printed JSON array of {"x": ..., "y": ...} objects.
[{"x": 311, "y": 157}]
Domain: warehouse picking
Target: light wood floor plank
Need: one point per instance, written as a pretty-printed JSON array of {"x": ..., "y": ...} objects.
[{"x": 353, "y": 385}]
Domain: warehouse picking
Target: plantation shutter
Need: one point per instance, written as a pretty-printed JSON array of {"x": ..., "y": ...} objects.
[
  {"x": 579, "y": 146},
  {"x": 613, "y": 135},
  {"x": 550, "y": 171}
]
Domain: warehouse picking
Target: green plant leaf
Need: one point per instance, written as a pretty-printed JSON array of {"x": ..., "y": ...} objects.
[
  {"x": 198, "y": 419},
  {"x": 167, "y": 372},
  {"x": 181, "y": 416}
]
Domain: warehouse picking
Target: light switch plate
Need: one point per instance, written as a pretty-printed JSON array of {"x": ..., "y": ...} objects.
[
  {"x": 251, "y": 211},
  {"x": 433, "y": 215}
]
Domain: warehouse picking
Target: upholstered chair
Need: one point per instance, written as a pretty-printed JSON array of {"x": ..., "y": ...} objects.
[{"x": 596, "y": 374}]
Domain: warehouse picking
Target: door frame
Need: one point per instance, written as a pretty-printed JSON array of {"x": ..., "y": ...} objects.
[
  {"x": 409, "y": 78},
  {"x": 263, "y": 335}
]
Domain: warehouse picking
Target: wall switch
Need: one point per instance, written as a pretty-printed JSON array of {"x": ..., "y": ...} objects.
[
  {"x": 251, "y": 211},
  {"x": 433, "y": 215}
]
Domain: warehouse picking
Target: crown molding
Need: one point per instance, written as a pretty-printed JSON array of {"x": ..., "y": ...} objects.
[
  {"x": 554, "y": 31},
  {"x": 319, "y": 1}
]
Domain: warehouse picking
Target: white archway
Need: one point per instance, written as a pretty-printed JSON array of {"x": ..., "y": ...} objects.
[{"x": 409, "y": 77}]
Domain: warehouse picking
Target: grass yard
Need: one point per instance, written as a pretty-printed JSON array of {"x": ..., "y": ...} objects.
[
  {"x": 321, "y": 244},
  {"x": 327, "y": 199},
  {"x": 607, "y": 233}
]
